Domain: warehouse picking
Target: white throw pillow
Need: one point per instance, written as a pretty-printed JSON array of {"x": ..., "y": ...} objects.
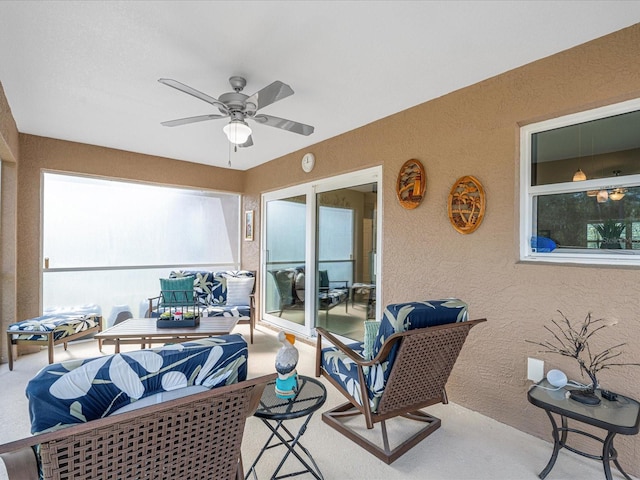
[{"x": 238, "y": 290}]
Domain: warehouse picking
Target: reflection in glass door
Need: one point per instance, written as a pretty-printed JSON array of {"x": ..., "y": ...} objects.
[
  {"x": 284, "y": 255},
  {"x": 346, "y": 258}
]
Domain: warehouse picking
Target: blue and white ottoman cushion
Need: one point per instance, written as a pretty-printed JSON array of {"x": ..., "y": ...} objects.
[{"x": 63, "y": 321}]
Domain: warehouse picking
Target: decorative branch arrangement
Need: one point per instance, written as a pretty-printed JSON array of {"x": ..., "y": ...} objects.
[{"x": 573, "y": 341}]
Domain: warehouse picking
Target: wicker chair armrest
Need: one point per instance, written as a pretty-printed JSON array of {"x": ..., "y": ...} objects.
[
  {"x": 21, "y": 464},
  {"x": 357, "y": 358},
  {"x": 151, "y": 304},
  {"x": 382, "y": 354}
]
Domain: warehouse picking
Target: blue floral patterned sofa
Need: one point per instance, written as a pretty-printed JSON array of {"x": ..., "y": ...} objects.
[
  {"x": 78, "y": 391},
  {"x": 228, "y": 293}
]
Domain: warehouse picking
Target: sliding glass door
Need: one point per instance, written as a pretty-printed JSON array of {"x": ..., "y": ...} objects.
[
  {"x": 345, "y": 258},
  {"x": 284, "y": 261},
  {"x": 320, "y": 256}
]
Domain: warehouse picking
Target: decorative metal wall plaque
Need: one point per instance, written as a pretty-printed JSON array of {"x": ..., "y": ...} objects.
[
  {"x": 412, "y": 183},
  {"x": 466, "y": 204}
]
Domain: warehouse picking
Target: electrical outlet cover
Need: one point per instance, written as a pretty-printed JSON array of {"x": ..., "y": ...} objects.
[{"x": 535, "y": 369}]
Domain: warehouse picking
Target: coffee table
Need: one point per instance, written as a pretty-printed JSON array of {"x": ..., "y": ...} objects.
[{"x": 144, "y": 331}]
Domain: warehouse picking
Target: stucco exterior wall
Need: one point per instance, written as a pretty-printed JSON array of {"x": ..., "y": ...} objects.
[{"x": 475, "y": 131}]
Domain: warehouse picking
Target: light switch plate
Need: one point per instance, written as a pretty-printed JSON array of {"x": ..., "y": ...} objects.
[{"x": 535, "y": 369}]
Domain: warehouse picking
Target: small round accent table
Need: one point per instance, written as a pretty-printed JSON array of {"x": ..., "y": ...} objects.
[{"x": 274, "y": 411}]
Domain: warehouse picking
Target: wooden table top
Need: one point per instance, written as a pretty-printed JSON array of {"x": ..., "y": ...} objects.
[{"x": 146, "y": 328}]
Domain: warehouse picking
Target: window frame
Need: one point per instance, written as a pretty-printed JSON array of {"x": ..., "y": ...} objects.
[{"x": 529, "y": 193}]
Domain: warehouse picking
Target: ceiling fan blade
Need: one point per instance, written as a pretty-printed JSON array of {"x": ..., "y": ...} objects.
[
  {"x": 269, "y": 94},
  {"x": 192, "y": 91},
  {"x": 184, "y": 121},
  {"x": 248, "y": 143},
  {"x": 284, "y": 124}
]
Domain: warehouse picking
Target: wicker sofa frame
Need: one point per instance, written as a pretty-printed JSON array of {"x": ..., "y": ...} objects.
[
  {"x": 424, "y": 360},
  {"x": 196, "y": 436}
]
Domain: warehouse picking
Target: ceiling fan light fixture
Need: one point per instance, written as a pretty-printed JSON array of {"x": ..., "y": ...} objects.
[
  {"x": 617, "y": 194},
  {"x": 237, "y": 131},
  {"x": 602, "y": 196},
  {"x": 579, "y": 176}
]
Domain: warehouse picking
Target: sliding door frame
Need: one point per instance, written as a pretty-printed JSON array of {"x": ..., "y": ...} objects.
[{"x": 310, "y": 190}]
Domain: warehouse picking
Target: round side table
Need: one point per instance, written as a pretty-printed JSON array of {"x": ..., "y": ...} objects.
[{"x": 274, "y": 411}]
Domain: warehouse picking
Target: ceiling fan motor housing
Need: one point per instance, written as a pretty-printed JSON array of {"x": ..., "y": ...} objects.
[{"x": 234, "y": 101}]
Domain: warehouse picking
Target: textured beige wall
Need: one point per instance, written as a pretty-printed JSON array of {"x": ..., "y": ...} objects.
[
  {"x": 8, "y": 131},
  {"x": 8, "y": 216},
  {"x": 38, "y": 154},
  {"x": 475, "y": 131}
]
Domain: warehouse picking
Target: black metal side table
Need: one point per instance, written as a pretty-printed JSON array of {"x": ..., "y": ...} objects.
[
  {"x": 274, "y": 411},
  {"x": 618, "y": 416}
]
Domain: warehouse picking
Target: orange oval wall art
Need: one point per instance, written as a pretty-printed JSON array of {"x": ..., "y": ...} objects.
[
  {"x": 412, "y": 183},
  {"x": 467, "y": 203}
]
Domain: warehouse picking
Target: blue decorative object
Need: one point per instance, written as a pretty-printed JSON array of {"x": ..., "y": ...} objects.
[
  {"x": 286, "y": 362},
  {"x": 542, "y": 244}
]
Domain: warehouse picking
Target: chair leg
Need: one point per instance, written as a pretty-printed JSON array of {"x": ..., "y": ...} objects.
[
  {"x": 385, "y": 453},
  {"x": 10, "y": 350},
  {"x": 50, "y": 347}
]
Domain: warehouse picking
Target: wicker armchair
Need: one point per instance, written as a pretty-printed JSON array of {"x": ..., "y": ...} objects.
[
  {"x": 407, "y": 372},
  {"x": 196, "y": 436}
]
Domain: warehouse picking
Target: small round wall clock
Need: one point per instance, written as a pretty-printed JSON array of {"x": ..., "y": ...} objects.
[
  {"x": 308, "y": 162},
  {"x": 411, "y": 185},
  {"x": 466, "y": 204}
]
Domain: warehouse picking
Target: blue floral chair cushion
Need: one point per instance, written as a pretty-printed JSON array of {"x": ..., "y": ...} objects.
[
  {"x": 78, "y": 391},
  {"x": 63, "y": 321},
  {"x": 397, "y": 318}
]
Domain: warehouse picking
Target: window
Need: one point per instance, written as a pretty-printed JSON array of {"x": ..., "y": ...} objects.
[
  {"x": 580, "y": 187},
  {"x": 108, "y": 242}
]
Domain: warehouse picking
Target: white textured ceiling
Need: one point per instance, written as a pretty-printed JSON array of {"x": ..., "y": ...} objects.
[{"x": 87, "y": 71}]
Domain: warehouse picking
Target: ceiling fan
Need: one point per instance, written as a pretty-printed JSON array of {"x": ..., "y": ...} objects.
[{"x": 239, "y": 107}]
